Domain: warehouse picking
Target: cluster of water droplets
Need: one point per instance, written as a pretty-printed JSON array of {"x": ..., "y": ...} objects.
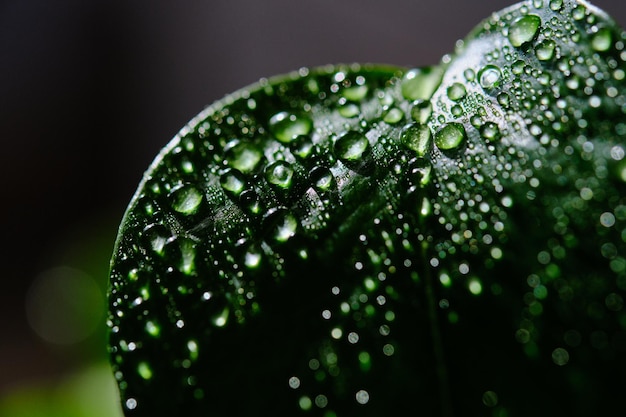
[{"x": 397, "y": 198}]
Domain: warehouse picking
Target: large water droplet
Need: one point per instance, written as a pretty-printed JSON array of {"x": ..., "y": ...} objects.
[
  {"x": 155, "y": 236},
  {"x": 281, "y": 225},
  {"x": 352, "y": 146},
  {"x": 286, "y": 126},
  {"x": 490, "y": 131},
  {"x": 250, "y": 201},
  {"x": 602, "y": 40},
  {"x": 489, "y": 76},
  {"x": 421, "y": 83},
  {"x": 279, "y": 174},
  {"x": 416, "y": 137},
  {"x": 524, "y": 30},
  {"x": 421, "y": 111},
  {"x": 355, "y": 93},
  {"x": 450, "y": 136},
  {"x": 233, "y": 181},
  {"x": 302, "y": 147},
  {"x": 185, "y": 199},
  {"x": 456, "y": 92},
  {"x": 244, "y": 156},
  {"x": 322, "y": 179},
  {"x": 545, "y": 50}
]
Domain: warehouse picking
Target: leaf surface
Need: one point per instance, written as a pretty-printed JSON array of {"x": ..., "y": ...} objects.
[{"x": 378, "y": 241}]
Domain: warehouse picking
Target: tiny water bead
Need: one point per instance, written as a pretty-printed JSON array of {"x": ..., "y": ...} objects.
[
  {"x": 351, "y": 146},
  {"x": 450, "y": 136},
  {"x": 524, "y": 30},
  {"x": 287, "y": 126}
]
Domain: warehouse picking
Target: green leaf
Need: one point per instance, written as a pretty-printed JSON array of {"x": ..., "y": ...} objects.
[{"x": 366, "y": 240}]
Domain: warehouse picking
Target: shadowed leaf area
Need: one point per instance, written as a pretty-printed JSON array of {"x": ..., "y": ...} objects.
[{"x": 375, "y": 241}]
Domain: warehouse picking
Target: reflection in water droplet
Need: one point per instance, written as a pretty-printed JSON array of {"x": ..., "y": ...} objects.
[
  {"x": 421, "y": 83},
  {"x": 279, "y": 174},
  {"x": 416, "y": 137},
  {"x": 450, "y": 136},
  {"x": 524, "y": 30},
  {"x": 243, "y": 156},
  {"x": 489, "y": 76},
  {"x": 352, "y": 146},
  {"x": 185, "y": 199},
  {"x": 286, "y": 126}
]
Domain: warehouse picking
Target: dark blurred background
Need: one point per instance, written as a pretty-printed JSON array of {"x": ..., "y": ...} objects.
[{"x": 89, "y": 93}]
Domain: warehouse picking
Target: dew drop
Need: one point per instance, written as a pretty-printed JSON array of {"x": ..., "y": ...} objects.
[
  {"x": 601, "y": 40},
  {"x": 294, "y": 382},
  {"x": 450, "y": 136},
  {"x": 250, "y": 201},
  {"x": 243, "y": 156},
  {"x": 490, "y": 399},
  {"x": 233, "y": 182},
  {"x": 362, "y": 397},
  {"x": 144, "y": 370},
  {"x": 560, "y": 356},
  {"x": 349, "y": 110},
  {"x": 322, "y": 179},
  {"x": 393, "y": 116},
  {"x": 281, "y": 225},
  {"x": 287, "y": 126},
  {"x": 489, "y": 76},
  {"x": 421, "y": 111},
  {"x": 252, "y": 258},
  {"x": 490, "y": 131},
  {"x": 302, "y": 147},
  {"x": 416, "y": 137},
  {"x": 421, "y": 83},
  {"x": 456, "y": 92},
  {"x": 545, "y": 50},
  {"x": 279, "y": 174},
  {"x": 556, "y": 4},
  {"x": 351, "y": 147},
  {"x": 524, "y": 30},
  {"x": 185, "y": 199},
  {"x": 504, "y": 99},
  {"x": 355, "y": 93}
]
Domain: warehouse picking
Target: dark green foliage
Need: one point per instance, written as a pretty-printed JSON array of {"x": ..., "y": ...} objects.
[{"x": 362, "y": 240}]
